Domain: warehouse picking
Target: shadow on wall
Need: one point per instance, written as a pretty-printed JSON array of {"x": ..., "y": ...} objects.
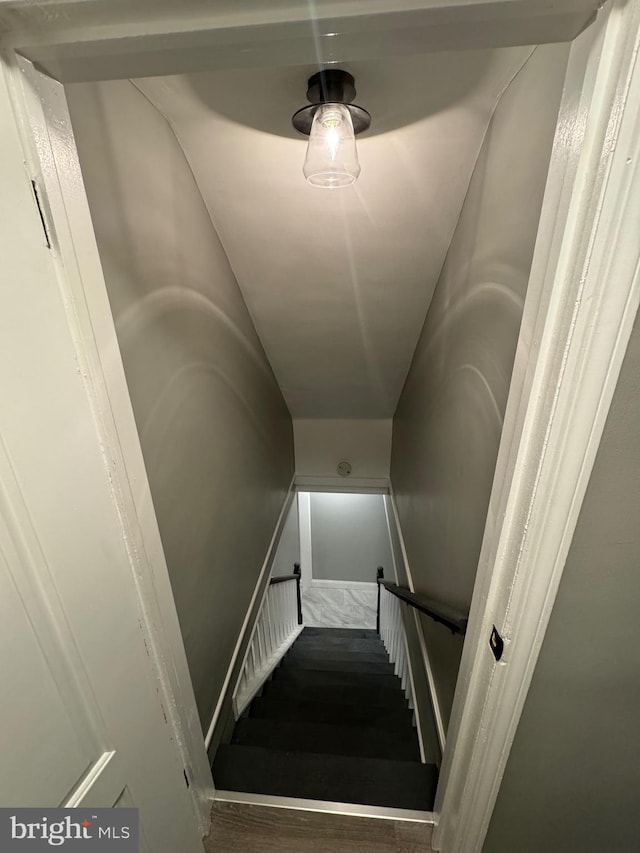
[
  {"x": 266, "y": 98},
  {"x": 448, "y": 423},
  {"x": 215, "y": 432}
]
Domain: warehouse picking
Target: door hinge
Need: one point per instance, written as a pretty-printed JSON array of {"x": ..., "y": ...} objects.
[{"x": 36, "y": 195}]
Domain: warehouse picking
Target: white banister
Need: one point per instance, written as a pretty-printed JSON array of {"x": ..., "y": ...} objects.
[
  {"x": 274, "y": 631},
  {"x": 392, "y": 634}
]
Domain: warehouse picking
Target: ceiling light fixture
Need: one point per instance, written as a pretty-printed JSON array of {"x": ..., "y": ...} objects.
[{"x": 331, "y": 122}]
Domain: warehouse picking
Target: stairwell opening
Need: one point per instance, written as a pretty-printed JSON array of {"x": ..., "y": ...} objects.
[{"x": 344, "y": 537}]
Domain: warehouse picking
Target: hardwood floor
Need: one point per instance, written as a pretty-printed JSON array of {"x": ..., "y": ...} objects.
[{"x": 239, "y": 828}]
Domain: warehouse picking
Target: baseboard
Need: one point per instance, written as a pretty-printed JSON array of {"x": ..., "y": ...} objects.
[
  {"x": 324, "y": 806},
  {"x": 320, "y": 583},
  {"x": 353, "y": 485}
]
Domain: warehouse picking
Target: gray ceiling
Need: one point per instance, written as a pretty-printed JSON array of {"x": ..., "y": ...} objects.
[{"x": 338, "y": 282}]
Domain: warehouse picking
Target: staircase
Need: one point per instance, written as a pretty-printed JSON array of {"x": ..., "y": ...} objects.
[{"x": 332, "y": 724}]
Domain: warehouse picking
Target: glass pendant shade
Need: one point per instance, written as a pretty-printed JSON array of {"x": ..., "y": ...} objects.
[{"x": 332, "y": 157}]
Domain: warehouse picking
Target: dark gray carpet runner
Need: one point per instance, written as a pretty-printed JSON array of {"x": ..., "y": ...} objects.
[{"x": 332, "y": 724}]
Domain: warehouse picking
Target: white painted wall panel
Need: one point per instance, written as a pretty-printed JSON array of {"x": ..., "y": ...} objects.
[
  {"x": 340, "y": 604},
  {"x": 215, "y": 433}
]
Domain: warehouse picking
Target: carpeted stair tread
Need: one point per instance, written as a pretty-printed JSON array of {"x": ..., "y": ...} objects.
[
  {"x": 319, "y": 678},
  {"x": 296, "y": 654},
  {"x": 371, "y": 781},
  {"x": 312, "y": 711},
  {"x": 373, "y": 667},
  {"x": 364, "y": 633},
  {"x": 336, "y": 653},
  {"x": 396, "y": 743},
  {"x": 337, "y": 694},
  {"x": 332, "y": 724},
  {"x": 368, "y": 646}
]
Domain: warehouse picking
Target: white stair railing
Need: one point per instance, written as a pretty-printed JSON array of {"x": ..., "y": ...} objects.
[
  {"x": 392, "y": 601},
  {"x": 393, "y": 636},
  {"x": 278, "y": 625}
]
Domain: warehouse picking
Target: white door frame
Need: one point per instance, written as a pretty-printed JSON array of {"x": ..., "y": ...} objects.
[
  {"x": 579, "y": 327},
  {"x": 582, "y": 301}
]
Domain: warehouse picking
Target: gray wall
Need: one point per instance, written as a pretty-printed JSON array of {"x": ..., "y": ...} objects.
[
  {"x": 288, "y": 551},
  {"x": 215, "y": 432},
  {"x": 349, "y": 537},
  {"x": 448, "y": 422},
  {"x": 572, "y": 783}
]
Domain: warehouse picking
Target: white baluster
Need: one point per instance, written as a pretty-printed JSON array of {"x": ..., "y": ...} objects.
[
  {"x": 383, "y": 616},
  {"x": 263, "y": 639},
  {"x": 280, "y": 614},
  {"x": 271, "y": 644},
  {"x": 260, "y": 644},
  {"x": 272, "y": 619},
  {"x": 287, "y": 609},
  {"x": 293, "y": 607},
  {"x": 251, "y": 661}
]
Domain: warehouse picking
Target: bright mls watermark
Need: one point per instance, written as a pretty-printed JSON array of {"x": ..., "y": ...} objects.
[{"x": 35, "y": 830}]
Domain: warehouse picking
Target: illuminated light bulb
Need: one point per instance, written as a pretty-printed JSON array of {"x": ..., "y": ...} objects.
[{"x": 332, "y": 157}]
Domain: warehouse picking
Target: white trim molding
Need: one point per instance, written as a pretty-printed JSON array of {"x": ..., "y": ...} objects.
[
  {"x": 324, "y": 806},
  {"x": 183, "y": 36},
  {"x": 583, "y": 298},
  {"x": 353, "y": 485}
]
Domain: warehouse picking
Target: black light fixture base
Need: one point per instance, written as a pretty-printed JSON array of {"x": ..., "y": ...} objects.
[
  {"x": 303, "y": 119},
  {"x": 331, "y": 86}
]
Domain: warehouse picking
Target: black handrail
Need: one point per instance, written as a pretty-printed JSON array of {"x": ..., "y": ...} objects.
[
  {"x": 296, "y": 576},
  {"x": 452, "y": 619}
]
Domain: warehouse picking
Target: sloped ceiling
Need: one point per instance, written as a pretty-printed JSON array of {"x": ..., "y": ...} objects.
[{"x": 338, "y": 282}]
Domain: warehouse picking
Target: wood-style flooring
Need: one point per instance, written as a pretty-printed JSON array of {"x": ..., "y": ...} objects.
[{"x": 237, "y": 828}]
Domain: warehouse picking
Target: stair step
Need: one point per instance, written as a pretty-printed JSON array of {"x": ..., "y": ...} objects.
[
  {"x": 298, "y": 653},
  {"x": 360, "y": 647},
  {"x": 399, "y": 744},
  {"x": 276, "y": 707},
  {"x": 338, "y": 778},
  {"x": 352, "y": 643},
  {"x": 338, "y": 694},
  {"x": 374, "y": 668},
  {"x": 339, "y": 632},
  {"x": 335, "y": 678}
]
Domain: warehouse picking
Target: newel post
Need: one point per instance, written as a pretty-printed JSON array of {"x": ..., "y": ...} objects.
[
  {"x": 379, "y": 577},
  {"x": 297, "y": 572}
]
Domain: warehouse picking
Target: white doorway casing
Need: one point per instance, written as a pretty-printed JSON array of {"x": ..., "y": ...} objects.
[{"x": 582, "y": 300}]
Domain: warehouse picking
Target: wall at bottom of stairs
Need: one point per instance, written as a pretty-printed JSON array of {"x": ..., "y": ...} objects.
[{"x": 339, "y": 604}]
